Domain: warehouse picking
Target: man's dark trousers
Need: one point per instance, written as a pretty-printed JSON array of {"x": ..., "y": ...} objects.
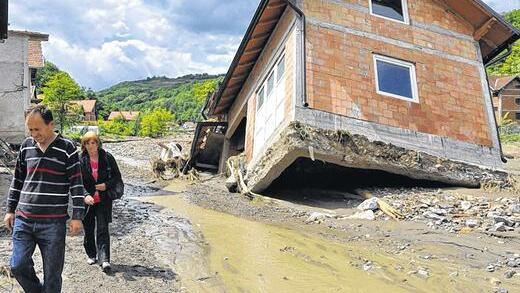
[{"x": 50, "y": 238}]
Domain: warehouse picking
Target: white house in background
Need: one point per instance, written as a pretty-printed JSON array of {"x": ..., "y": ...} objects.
[{"x": 20, "y": 57}]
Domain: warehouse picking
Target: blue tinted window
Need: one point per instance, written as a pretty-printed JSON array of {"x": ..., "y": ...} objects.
[
  {"x": 388, "y": 8},
  {"x": 394, "y": 79}
]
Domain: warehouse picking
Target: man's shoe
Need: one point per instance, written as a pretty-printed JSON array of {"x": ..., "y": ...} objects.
[
  {"x": 106, "y": 267},
  {"x": 91, "y": 261}
]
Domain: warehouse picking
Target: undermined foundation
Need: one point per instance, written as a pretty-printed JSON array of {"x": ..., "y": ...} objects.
[{"x": 356, "y": 152}]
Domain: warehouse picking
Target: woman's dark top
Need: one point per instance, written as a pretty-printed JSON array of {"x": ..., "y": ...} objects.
[{"x": 108, "y": 173}]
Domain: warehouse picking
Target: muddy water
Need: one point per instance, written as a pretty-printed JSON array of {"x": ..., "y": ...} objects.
[{"x": 249, "y": 256}]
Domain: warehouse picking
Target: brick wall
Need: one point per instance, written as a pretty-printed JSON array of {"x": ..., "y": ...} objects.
[
  {"x": 341, "y": 79},
  {"x": 35, "y": 54}
]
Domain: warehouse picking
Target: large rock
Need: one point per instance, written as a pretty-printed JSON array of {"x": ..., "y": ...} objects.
[{"x": 369, "y": 205}]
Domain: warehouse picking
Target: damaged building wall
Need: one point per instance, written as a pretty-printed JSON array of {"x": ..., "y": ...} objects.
[
  {"x": 341, "y": 79},
  {"x": 341, "y": 148},
  {"x": 15, "y": 92},
  {"x": 282, "y": 40}
]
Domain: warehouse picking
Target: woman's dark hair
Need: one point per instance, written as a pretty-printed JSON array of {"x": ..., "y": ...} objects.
[{"x": 43, "y": 111}]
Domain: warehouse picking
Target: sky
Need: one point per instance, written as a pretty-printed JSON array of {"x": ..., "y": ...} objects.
[{"x": 103, "y": 42}]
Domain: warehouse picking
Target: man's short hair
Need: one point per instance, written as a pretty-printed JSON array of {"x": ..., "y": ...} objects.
[{"x": 43, "y": 111}]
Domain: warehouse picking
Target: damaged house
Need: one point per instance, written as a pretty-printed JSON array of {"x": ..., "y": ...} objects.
[
  {"x": 20, "y": 58},
  {"x": 397, "y": 86},
  {"x": 506, "y": 97}
]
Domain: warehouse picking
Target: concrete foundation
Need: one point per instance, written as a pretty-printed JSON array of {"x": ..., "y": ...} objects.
[{"x": 357, "y": 151}]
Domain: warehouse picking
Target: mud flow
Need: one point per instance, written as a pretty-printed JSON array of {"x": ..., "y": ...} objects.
[{"x": 251, "y": 256}]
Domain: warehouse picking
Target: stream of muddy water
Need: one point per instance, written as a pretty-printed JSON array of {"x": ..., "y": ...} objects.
[{"x": 251, "y": 256}]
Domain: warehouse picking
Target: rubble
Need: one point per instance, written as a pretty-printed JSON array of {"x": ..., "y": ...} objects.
[
  {"x": 454, "y": 212},
  {"x": 364, "y": 215},
  {"x": 369, "y": 204}
]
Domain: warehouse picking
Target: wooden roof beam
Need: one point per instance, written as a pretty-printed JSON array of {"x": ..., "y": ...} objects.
[
  {"x": 268, "y": 21},
  {"x": 484, "y": 29}
]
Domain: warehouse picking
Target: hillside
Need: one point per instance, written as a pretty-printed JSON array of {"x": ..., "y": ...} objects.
[{"x": 184, "y": 96}]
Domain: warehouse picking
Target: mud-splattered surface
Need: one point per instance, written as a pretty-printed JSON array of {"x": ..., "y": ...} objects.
[{"x": 201, "y": 238}]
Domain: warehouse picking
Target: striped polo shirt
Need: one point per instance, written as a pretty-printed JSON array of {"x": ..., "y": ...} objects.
[{"x": 43, "y": 182}]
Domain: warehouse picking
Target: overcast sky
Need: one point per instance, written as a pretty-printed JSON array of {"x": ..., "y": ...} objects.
[{"x": 108, "y": 41}]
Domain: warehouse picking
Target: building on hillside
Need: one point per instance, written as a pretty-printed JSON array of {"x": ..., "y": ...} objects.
[
  {"x": 89, "y": 109},
  {"x": 506, "y": 97},
  {"x": 126, "y": 115},
  {"x": 315, "y": 80},
  {"x": 20, "y": 57}
]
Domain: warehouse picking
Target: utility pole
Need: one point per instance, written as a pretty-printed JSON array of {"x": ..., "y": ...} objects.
[{"x": 3, "y": 19}]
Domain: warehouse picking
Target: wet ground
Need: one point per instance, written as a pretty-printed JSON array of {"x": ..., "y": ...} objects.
[{"x": 178, "y": 237}]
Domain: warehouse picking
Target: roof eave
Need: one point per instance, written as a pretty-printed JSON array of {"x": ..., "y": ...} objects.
[{"x": 261, "y": 8}]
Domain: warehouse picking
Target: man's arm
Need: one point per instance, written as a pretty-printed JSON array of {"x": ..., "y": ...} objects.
[
  {"x": 20, "y": 172},
  {"x": 77, "y": 190}
]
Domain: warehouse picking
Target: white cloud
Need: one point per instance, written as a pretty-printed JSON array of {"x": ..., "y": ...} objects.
[
  {"x": 101, "y": 42},
  {"x": 503, "y": 5}
]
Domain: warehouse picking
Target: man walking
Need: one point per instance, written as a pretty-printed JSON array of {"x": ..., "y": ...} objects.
[{"x": 47, "y": 170}]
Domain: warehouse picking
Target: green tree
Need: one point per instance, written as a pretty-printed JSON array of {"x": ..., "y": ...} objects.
[
  {"x": 155, "y": 123},
  {"x": 118, "y": 126},
  {"x": 511, "y": 65},
  {"x": 58, "y": 92},
  {"x": 44, "y": 74}
]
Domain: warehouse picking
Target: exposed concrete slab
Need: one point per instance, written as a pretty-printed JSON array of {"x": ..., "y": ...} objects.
[
  {"x": 487, "y": 157},
  {"x": 357, "y": 151}
]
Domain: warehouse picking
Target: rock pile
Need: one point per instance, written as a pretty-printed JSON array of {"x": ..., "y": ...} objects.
[{"x": 455, "y": 213}]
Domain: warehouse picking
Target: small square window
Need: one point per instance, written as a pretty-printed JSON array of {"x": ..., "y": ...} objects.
[
  {"x": 395, "y": 78},
  {"x": 390, "y": 9},
  {"x": 517, "y": 101},
  {"x": 517, "y": 115}
]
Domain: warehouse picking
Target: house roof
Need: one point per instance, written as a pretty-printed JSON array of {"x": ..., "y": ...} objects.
[
  {"x": 89, "y": 106},
  {"x": 493, "y": 33},
  {"x": 34, "y": 36},
  {"x": 127, "y": 115},
  {"x": 263, "y": 24},
  {"x": 497, "y": 83}
]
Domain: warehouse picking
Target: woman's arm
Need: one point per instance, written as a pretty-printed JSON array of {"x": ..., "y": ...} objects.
[{"x": 115, "y": 173}]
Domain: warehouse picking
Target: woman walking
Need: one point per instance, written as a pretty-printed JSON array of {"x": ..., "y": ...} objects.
[{"x": 100, "y": 174}]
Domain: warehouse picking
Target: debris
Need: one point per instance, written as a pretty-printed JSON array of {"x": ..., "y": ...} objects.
[
  {"x": 509, "y": 274},
  {"x": 367, "y": 266},
  {"x": 472, "y": 223},
  {"x": 231, "y": 184},
  {"x": 369, "y": 204},
  {"x": 490, "y": 268},
  {"x": 465, "y": 205},
  {"x": 364, "y": 215},
  {"x": 499, "y": 227},
  {"x": 317, "y": 217}
]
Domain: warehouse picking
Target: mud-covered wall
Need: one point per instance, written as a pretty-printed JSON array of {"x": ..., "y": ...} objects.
[{"x": 342, "y": 37}]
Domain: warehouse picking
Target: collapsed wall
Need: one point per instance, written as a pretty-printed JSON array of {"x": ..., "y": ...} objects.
[{"x": 341, "y": 148}]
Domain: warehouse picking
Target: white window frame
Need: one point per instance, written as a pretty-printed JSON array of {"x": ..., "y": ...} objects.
[
  {"x": 404, "y": 4},
  {"x": 269, "y": 98},
  {"x": 411, "y": 70}
]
